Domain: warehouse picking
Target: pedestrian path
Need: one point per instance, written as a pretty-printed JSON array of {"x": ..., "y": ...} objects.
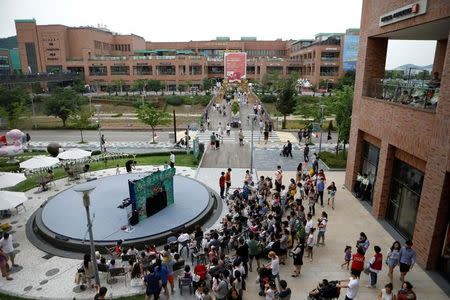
[{"x": 258, "y": 137}]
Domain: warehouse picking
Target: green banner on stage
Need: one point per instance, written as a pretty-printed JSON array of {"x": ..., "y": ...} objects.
[{"x": 152, "y": 193}]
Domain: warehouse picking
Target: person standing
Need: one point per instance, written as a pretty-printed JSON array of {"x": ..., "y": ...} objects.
[
  {"x": 228, "y": 181},
  {"x": 208, "y": 122},
  {"x": 172, "y": 159},
  {"x": 331, "y": 193},
  {"x": 393, "y": 258},
  {"x": 7, "y": 245},
  {"x": 222, "y": 185},
  {"x": 320, "y": 189},
  {"x": 375, "y": 265},
  {"x": 297, "y": 255},
  {"x": 407, "y": 258},
  {"x": 278, "y": 179},
  {"x": 352, "y": 286},
  {"x": 212, "y": 140},
  {"x": 248, "y": 177},
  {"x": 241, "y": 138},
  {"x": 358, "y": 262},
  {"x": 300, "y": 135},
  {"x": 306, "y": 153},
  {"x": 103, "y": 143},
  {"x": 289, "y": 149},
  {"x": 153, "y": 284},
  {"x": 228, "y": 129}
]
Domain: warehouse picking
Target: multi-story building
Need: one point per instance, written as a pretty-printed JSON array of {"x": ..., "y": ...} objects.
[
  {"x": 403, "y": 144},
  {"x": 5, "y": 62},
  {"x": 104, "y": 56}
]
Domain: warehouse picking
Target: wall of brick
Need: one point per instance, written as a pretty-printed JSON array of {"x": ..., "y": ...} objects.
[{"x": 418, "y": 137}]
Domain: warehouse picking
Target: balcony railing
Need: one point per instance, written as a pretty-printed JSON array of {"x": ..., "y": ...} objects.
[
  {"x": 419, "y": 94},
  {"x": 40, "y": 77},
  {"x": 330, "y": 59}
]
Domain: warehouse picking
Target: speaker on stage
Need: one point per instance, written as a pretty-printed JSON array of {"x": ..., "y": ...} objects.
[{"x": 134, "y": 218}]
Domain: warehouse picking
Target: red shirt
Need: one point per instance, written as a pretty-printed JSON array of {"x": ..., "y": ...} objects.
[
  {"x": 357, "y": 262},
  {"x": 378, "y": 263},
  {"x": 228, "y": 177},
  {"x": 222, "y": 181}
]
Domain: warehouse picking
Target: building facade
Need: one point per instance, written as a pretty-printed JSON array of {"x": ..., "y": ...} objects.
[
  {"x": 104, "y": 57},
  {"x": 403, "y": 147}
]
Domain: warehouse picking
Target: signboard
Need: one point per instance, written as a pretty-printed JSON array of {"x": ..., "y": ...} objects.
[
  {"x": 350, "y": 53},
  {"x": 235, "y": 66},
  {"x": 403, "y": 13},
  {"x": 152, "y": 193}
]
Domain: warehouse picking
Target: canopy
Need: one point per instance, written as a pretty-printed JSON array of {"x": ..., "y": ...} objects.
[
  {"x": 10, "y": 179},
  {"x": 9, "y": 200},
  {"x": 39, "y": 162},
  {"x": 74, "y": 153}
]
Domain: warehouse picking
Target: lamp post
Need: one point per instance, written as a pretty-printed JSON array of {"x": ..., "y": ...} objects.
[
  {"x": 320, "y": 127},
  {"x": 252, "y": 117},
  {"x": 97, "y": 109},
  {"x": 85, "y": 190}
]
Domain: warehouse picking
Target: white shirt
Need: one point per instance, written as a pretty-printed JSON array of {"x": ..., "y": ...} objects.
[
  {"x": 7, "y": 245},
  {"x": 386, "y": 296},
  {"x": 228, "y": 127},
  {"x": 309, "y": 225},
  {"x": 275, "y": 266},
  {"x": 352, "y": 289},
  {"x": 172, "y": 158},
  {"x": 324, "y": 223}
]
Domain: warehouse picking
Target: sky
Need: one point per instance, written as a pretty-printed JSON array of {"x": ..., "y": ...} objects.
[{"x": 181, "y": 20}]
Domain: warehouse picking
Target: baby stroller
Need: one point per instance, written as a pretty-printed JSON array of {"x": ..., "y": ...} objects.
[
  {"x": 285, "y": 151},
  {"x": 264, "y": 278}
]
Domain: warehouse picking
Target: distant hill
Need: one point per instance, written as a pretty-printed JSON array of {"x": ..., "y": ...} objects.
[
  {"x": 9, "y": 42},
  {"x": 416, "y": 68}
]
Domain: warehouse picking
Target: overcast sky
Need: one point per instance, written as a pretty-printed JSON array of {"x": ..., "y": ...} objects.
[{"x": 181, "y": 20}]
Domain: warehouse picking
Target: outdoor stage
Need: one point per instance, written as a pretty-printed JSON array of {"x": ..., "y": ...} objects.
[{"x": 61, "y": 221}]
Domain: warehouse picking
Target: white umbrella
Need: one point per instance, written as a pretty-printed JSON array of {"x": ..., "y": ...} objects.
[
  {"x": 9, "y": 200},
  {"x": 10, "y": 179},
  {"x": 39, "y": 162},
  {"x": 74, "y": 153}
]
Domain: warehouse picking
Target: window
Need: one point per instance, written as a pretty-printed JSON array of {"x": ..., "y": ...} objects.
[
  {"x": 54, "y": 69},
  {"x": 404, "y": 197},
  {"x": 195, "y": 70},
  {"x": 165, "y": 70},
  {"x": 329, "y": 71},
  {"x": 120, "y": 70},
  {"x": 30, "y": 50},
  {"x": 142, "y": 70},
  {"x": 98, "y": 71}
]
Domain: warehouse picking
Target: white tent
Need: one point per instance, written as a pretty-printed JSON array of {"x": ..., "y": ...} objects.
[
  {"x": 39, "y": 162},
  {"x": 9, "y": 200},
  {"x": 74, "y": 153},
  {"x": 8, "y": 179}
]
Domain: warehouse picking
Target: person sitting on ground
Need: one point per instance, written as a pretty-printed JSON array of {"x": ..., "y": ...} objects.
[
  {"x": 387, "y": 293},
  {"x": 406, "y": 292},
  {"x": 404, "y": 98},
  {"x": 285, "y": 292}
]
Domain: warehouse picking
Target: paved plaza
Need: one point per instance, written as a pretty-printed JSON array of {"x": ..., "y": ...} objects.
[{"x": 51, "y": 277}]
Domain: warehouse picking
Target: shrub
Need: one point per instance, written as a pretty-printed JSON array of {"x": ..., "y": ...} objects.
[
  {"x": 96, "y": 152},
  {"x": 268, "y": 98},
  {"x": 174, "y": 100},
  {"x": 334, "y": 161}
]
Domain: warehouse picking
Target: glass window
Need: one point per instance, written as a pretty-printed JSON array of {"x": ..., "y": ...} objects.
[
  {"x": 120, "y": 70},
  {"x": 369, "y": 168},
  {"x": 404, "y": 197}
]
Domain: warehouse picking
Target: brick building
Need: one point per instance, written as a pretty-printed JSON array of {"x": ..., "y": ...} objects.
[
  {"x": 104, "y": 56},
  {"x": 404, "y": 146}
]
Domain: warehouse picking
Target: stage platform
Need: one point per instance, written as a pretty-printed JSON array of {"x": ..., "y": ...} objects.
[{"x": 61, "y": 221}]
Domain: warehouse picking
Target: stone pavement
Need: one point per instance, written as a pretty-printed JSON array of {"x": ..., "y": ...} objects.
[{"x": 51, "y": 277}]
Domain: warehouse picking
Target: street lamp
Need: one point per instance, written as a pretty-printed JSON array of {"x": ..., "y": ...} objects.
[
  {"x": 320, "y": 127},
  {"x": 85, "y": 190},
  {"x": 97, "y": 109},
  {"x": 253, "y": 117}
]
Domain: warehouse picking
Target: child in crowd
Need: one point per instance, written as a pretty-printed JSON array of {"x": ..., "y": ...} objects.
[{"x": 347, "y": 256}]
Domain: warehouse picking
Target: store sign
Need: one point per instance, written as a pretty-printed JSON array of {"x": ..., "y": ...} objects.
[
  {"x": 235, "y": 64},
  {"x": 403, "y": 13}
]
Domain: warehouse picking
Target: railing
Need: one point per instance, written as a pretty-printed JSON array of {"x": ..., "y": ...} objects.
[
  {"x": 416, "y": 94},
  {"x": 329, "y": 58}
]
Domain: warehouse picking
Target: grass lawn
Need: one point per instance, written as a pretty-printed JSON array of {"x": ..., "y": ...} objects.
[
  {"x": 144, "y": 159},
  {"x": 334, "y": 161}
]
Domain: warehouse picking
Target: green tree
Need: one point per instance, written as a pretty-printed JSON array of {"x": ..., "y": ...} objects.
[
  {"x": 152, "y": 117},
  {"x": 343, "y": 102},
  {"x": 208, "y": 83},
  {"x": 79, "y": 86},
  {"x": 286, "y": 101},
  {"x": 138, "y": 85},
  {"x": 271, "y": 82},
  {"x": 13, "y": 104},
  {"x": 154, "y": 85},
  {"x": 62, "y": 103},
  {"x": 81, "y": 120},
  {"x": 234, "y": 107},
  {"x": 118, "y": 84}
]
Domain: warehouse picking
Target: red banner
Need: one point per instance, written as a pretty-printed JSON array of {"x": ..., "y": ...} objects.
[{"x": 235, "y": 66}]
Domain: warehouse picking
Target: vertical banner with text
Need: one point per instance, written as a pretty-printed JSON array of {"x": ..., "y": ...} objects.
[{"x": 235, "y": 66}]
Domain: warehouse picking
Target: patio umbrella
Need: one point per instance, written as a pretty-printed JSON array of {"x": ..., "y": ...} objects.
[
  {"x": 74, "y": 154},
  {"x": 9, "y": 200},
  {"x": 39, "y": 162},
  {"x": 10, "y": 179}
]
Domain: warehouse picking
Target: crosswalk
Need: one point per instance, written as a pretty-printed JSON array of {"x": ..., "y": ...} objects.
[{"x": 204, "y": 137}]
